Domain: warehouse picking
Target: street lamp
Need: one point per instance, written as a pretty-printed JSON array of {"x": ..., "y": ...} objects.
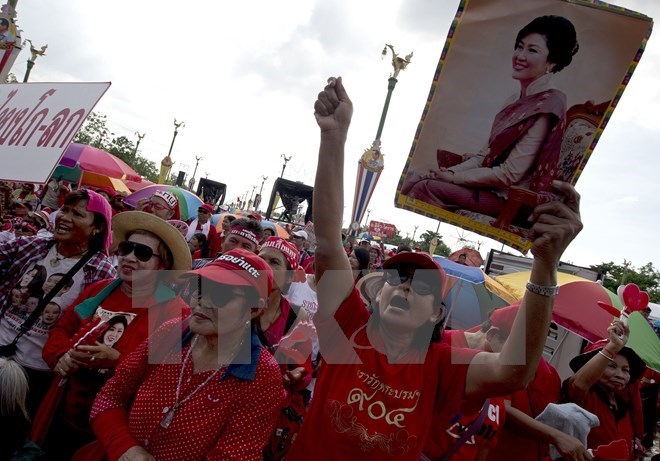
[
  {"x": 35, "y": 54},
  {"x": 286, "y": 160},
  {"x": 139, "y": 136},
  {"x": 371, "y": 164},
  {"x": 263, "y": 180}
]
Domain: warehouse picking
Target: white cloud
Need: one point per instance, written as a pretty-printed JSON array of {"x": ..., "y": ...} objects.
[{"x": 244, "y": 76}]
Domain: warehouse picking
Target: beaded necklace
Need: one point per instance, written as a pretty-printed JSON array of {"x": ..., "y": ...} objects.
[{"x": 169, "y": 411}]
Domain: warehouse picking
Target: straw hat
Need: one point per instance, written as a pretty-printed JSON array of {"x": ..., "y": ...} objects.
[{"x": 130, "y": 221}]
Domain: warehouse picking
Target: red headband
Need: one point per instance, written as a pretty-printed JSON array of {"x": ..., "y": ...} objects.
[
  {"x": 245, "y": 233},
  {"x": 288, "y": 249}
]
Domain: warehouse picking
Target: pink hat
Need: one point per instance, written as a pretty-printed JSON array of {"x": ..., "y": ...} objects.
[
  {"x": 98, "y": 204},
  {"x": 239, "y": 267}
]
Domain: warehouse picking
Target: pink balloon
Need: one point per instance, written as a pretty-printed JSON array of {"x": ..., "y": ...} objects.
[{"x": 634, "y": 299}]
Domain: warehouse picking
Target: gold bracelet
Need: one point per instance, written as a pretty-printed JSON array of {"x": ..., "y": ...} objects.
[{"x": 605, "y": 355}]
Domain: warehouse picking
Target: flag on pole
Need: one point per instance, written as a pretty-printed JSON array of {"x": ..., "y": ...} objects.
[{"x": 370, "y": 166}]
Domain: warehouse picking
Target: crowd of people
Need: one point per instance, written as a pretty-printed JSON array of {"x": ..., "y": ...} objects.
[{"x": 128, "y": 334}]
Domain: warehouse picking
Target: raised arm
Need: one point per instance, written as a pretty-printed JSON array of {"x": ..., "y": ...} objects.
[
  {"x": 591, "y": 372},
  {"x": 555, "y": 226},
  {"x": 333, "y": 110}
]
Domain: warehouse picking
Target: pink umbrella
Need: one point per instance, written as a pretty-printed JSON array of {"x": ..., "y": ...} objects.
[{"x": 98, "y": 161}]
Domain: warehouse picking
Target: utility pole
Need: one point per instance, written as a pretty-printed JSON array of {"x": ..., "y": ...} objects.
[
  {"x": 286, "y": 160},
  {"x": 414, "y": 233}
]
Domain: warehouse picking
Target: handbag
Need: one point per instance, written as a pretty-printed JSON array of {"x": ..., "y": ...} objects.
[{"x": 9, "y": 350}]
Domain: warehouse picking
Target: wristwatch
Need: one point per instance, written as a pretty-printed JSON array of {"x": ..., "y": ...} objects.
[{"x": 542, "y": 290}]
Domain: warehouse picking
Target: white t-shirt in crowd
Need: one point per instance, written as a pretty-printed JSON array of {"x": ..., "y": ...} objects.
[{"x": 24, "y": 298}]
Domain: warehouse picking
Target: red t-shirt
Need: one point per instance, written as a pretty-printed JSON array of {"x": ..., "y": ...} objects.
[
  {"x": 445, "y": 432},
  {"x": 144, "y": 319},
  {"x": 372, "y": 409},
  {"x": 610, "y": 428},
  {"x": 545, "y": 388}
]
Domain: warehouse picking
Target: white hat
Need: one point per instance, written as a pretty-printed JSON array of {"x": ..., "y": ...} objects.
[{"x": 300, "y": 233}]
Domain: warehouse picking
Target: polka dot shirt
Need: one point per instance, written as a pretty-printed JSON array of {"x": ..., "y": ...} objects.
[{"x": 229, "y": 418}]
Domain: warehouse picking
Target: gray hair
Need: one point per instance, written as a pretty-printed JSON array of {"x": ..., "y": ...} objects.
[{"x": 13, "y": 388}]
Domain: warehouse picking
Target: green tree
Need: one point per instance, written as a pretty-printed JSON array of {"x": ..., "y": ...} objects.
[
  {"x": 645, "y": 277},
  {"x": 95, "y": 132},
  {"x": 425, "y": 242},
  {"x": 123, "y": 148}
]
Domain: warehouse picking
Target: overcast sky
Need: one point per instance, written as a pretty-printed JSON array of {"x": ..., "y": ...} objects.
[{"x": 243, "y": 77}]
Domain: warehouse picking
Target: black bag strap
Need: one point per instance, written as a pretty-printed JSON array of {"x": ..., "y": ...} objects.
[{"x": 32, "y": 319}]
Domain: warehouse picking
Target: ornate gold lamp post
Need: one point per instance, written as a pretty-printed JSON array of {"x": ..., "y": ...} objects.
[{"x": 371, "y": 163}]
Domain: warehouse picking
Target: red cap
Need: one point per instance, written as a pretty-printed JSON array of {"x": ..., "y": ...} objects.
[
  {"x": 239, "y": 267},
  {"x": 421, "y": 261},
  {"x": 207, "y": 207},
  {"x": 503, "y": 318}
]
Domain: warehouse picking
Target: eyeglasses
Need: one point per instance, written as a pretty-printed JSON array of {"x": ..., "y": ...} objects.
[
  {"x": 219, "y": 295},
  {"x": 421, "y": 283},
  {"x": 204, "y": 211},
  {"x": 142, "y": 252}
]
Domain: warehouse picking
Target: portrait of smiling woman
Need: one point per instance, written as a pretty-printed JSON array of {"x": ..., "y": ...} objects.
[{"x": 526, "y": 135}]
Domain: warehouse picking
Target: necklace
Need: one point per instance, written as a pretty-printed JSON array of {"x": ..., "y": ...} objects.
[
  {"x": 54, "y": 262},
  {"x": 169, "y": 411}
]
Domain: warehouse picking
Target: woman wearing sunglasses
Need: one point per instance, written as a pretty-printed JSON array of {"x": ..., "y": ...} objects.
[
  {"x": 383, "y": 375},
  {"x": 147, "y": 246},
  {"x": 215, "y": 395}
]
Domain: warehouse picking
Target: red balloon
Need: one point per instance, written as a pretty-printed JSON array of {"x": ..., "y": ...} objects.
[{"x": 634, "y": 299}]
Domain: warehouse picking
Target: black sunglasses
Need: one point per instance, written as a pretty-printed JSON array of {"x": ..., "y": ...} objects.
[
  {"x": 421, "y": 283},
  {"x": 142, "y": 252},
  {"x": 220, "y": 295}
]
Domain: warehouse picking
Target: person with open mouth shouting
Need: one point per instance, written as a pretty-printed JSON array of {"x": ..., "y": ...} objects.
[{"x": 385, "y": 374}]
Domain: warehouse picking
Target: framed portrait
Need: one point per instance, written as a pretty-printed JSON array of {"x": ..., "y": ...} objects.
[{"x": 520, "y": 97}]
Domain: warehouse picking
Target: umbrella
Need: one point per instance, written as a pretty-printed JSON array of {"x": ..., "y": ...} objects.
[
  {"x": 576, "y": 309},
  {"x": 217, "y": 218},
  {"x": 468, "y": 298},
  {"x": 98, "y": 161},
  {"x": 89, "y": 179},
  {"x": 472, "y": 257},
  {"x": 137, "y": 185},
  {"x": 188, "y": 202},
  {"x": 281, "y": 231},
  {"x": 94, "y": 180}
]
